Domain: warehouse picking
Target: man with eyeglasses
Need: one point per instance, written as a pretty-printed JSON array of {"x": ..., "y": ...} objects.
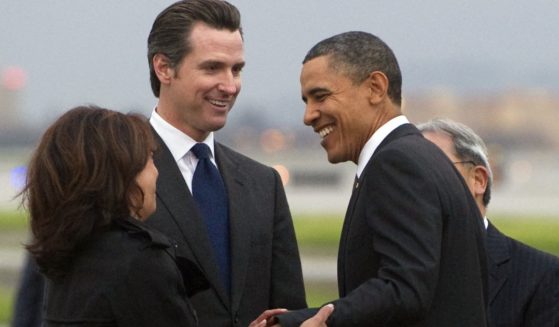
[{"x": 523, "y": 281}]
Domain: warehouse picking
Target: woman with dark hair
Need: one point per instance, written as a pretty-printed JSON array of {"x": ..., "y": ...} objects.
[{"x": 90, "y": 184}]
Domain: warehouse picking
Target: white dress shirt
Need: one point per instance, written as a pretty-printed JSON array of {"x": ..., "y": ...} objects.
[{"x": 180, "y": 144}]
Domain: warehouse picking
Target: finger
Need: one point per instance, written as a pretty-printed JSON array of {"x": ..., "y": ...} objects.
[
  {"x": 267, "y": 314},
  {"x": 256, "y": 323},
  {"x": 324, "y": 312}
]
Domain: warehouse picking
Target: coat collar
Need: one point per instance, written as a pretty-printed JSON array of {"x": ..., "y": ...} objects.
[{"x": 136, "y": 227}]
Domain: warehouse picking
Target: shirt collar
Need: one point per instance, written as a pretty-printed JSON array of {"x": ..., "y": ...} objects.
[
  {"x": 378, "y": 136},
  {"x": 178, "y": 142}
]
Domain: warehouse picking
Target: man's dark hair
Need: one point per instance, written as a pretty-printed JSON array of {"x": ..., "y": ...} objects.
[
  {"x": 357, "y": 55},
  {"x": 170, "y": 33}
]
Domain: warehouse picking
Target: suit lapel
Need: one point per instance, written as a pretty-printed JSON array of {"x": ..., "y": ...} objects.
[
  {"x": 498, "y": 253},
  {"x": 174, "y": 194},
  {"x": 400, "y": 131},
  {"x": 344, "y": 236},
  {"x": 236, "y": 183}
]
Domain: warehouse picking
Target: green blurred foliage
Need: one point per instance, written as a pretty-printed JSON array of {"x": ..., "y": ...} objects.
[
  {"x": 539, "y": 232},
  {"x": 13, "y": 221},
  {"x": 5, "y": 305},
  {"x": 319, "y": 235}
]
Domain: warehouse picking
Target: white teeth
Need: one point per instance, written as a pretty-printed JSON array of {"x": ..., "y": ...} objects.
[
  {"x": 325, "y": 131},
  {"x": 218, "y": 103}
]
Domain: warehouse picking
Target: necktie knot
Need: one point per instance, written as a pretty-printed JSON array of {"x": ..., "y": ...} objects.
[{"x": 201, "y": 151}]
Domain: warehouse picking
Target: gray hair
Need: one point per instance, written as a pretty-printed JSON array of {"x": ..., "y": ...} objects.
[{"x": 467, "y": 145}]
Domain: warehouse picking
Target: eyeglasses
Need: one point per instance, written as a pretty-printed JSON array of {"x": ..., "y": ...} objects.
[{"x": 464, "y": 162}]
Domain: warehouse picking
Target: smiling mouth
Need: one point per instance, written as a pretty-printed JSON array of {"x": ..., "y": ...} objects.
[
  {"x": 218, "y": 103},
  {"x": 325, "y": 131}
]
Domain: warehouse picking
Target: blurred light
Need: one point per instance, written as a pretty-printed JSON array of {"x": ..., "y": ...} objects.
[
  {"x": 14, "y": 78},
  {"x": 283, "y": 172},
  {"x": 18, "y": 176},
  {"x": 272, "y": 140}
]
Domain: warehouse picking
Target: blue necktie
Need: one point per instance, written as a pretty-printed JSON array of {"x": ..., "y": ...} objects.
[{"x": 209, "y": 193}]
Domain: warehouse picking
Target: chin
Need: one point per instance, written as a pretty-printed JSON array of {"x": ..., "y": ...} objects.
[
  {"x": 145, "y": 213},
  {"x": 335, "y": 158},
  {"x": 217, "y": 127}
]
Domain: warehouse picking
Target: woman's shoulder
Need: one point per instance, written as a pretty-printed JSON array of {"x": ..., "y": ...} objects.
[
  {"x": 121, "y": 244},
  {"x": 140, "y": 233}
]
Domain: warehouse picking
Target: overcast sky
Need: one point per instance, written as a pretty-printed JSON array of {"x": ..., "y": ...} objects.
[{"x": 78, "y": 51}]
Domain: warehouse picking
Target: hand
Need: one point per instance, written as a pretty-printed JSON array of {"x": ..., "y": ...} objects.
[
  {"x": 267, "y": 318},
  {"x": 319, "y": 319}
]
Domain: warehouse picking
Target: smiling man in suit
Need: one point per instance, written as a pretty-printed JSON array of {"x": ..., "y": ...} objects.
[
  {"x": 523, "y": 281},
  {"x": 411, "y": 250},
  {"x": 243, "y": 239}
]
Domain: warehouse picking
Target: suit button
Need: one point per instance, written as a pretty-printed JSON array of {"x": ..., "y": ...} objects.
[{"x": 236, "y": 320}]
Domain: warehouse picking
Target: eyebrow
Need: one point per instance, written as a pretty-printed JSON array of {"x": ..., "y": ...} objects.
[
  {"x": 239, "y": 65},
  {"x": 220, "y": 63}
]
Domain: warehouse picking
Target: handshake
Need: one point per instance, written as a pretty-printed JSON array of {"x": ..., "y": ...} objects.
[{"x": 269, "y": 318}]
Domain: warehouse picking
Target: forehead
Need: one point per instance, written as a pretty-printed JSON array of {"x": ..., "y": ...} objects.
[
  {"x": 210, "y": 42},
  {"x": 318, "y": 73},
  {"x": 444, "y": 142}
]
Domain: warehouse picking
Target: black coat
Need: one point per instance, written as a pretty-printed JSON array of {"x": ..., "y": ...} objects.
[
  {"x": 126, "y": 276},
  {"x": 523, "y": 283},
  {"x": 411, "y": 250}
]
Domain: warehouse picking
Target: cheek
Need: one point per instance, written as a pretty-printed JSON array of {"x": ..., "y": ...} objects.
[{"x": 238, "y": 85}]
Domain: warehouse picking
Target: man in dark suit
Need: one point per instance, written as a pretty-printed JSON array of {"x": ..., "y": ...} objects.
[
  {"x": 195, "y": 52},
  {"x": 523, "y": 281},
  {"x": 411, "y": 250}
]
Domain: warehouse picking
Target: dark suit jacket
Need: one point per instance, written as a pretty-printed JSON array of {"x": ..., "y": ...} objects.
[
  {"x": 523, "y": 283},
  {"x": 266, "y": 269},
  {"x": 125, "y": 276},
  {"x": 411, "y": 250}
]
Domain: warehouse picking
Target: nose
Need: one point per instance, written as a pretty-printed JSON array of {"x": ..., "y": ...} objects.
[
  {"x": 311, "y": 114},
  {"x": 230, "y": 84}
]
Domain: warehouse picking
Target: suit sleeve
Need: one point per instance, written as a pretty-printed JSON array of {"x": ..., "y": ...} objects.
[
  {"x": 152, "y": 293},
  {"x": 402, "y": 211},
  {"x": 287, "y": 278}
]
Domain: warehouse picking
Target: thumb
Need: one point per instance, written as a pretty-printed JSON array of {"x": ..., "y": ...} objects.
[{"x": 324, "y": 312}]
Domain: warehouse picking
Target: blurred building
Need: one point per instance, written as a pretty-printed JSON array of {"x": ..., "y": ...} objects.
[
  {"x": 524, "y": 118},
  {"x": 518, "y": 126}
]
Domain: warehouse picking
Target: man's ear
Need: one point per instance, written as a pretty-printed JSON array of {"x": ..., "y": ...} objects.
[
  {"x": 162, "y": 68},
  {"x": 481, "y": 179},
  {"x": 377, "y": 83}
]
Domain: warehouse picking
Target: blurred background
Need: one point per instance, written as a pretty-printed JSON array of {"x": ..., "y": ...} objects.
[{"x": 491, "y": 65}]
